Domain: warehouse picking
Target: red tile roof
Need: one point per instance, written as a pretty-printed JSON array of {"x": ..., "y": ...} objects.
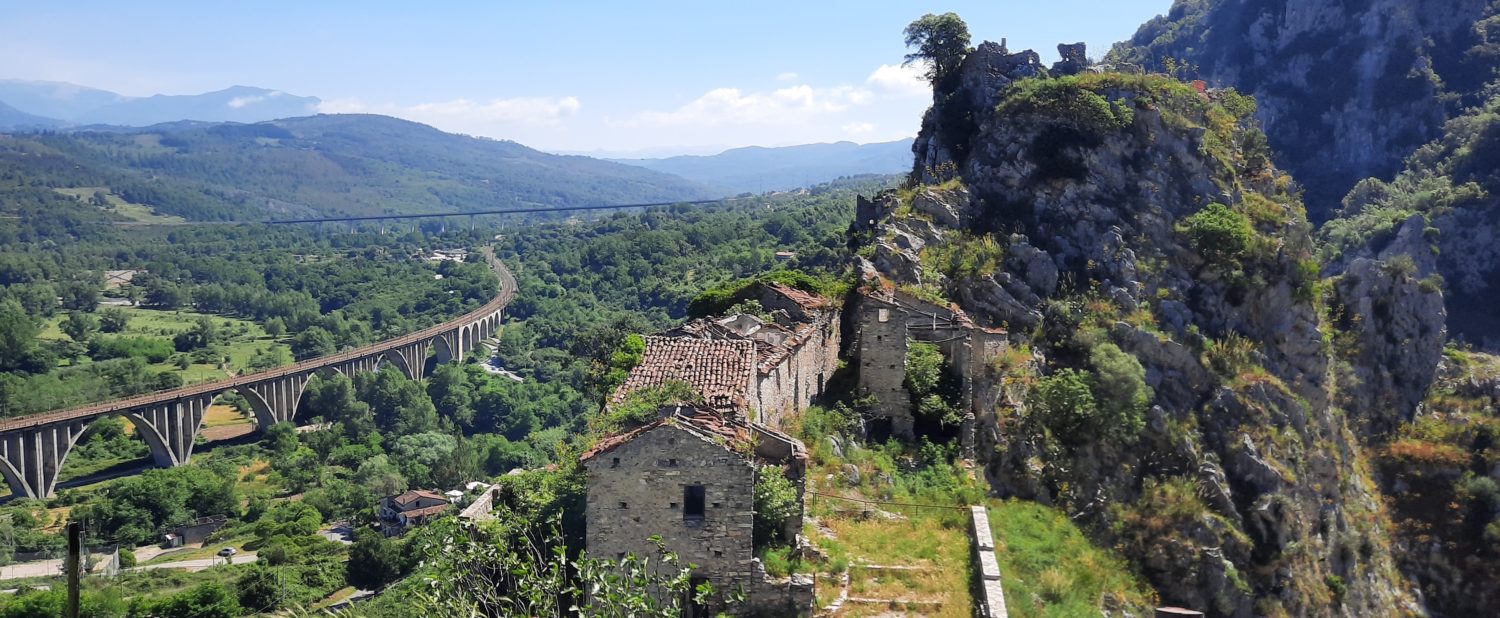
[
  {"x": 701, "y": 421},
  {"x": 719, "y": 370}
]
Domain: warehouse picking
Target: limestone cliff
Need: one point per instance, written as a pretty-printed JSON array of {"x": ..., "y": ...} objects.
[
  {"x": 1347, "y": 88},
  {"x": 1171, "y": 380}
]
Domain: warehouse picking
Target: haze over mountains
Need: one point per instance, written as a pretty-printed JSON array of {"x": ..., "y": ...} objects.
[
  {"x": 757, "y": 169},
  {"x": 256, "y": 153},
  {"x": 71, "y": 104}
]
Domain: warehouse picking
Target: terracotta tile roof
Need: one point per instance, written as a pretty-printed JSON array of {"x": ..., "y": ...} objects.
[
  {"x": 719, "y": 370},
  {"x": 705, "y": 422},
  {"x": 415, "y": 494}
]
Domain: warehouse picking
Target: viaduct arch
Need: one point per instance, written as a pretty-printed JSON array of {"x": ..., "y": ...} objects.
[{"x": 33, "y": 448}]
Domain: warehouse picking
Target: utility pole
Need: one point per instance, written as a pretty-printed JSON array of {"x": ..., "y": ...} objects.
[{"x": 74, "y": 566}]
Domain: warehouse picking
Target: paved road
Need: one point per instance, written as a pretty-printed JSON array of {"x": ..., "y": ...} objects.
[
  {"x": 198, "y": 565},
  {"x": 40, "y": 568}
]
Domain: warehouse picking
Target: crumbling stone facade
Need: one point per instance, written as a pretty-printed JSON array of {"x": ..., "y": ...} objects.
[
  {"x": 888, "y": 321},
  {"x": 690, "y": 479},
  {"x": 769, "y": 365}
]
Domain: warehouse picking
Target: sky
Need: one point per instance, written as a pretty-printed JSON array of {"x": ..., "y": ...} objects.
[{"x": 649, "y": 78}]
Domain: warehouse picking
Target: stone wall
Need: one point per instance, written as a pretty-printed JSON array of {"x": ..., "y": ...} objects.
[
  {"x": 991, "y": 595},
  {"x": 636, "y": 490},
  {"x": 792, "y": 384},
  {"x": 773, "y": 597},
  {"x": 882, "y": 343},
  {"x": 884, "y": 330}
]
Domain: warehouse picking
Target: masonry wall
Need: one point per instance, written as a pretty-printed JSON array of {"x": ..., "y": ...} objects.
[
  {"x": 651, "y": 488},
  {"x": 882, "y": 344},
  {"x": 802, "y": 375}
]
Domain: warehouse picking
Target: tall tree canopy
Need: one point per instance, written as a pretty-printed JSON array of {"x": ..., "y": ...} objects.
[{"x": 941, "y": 41}]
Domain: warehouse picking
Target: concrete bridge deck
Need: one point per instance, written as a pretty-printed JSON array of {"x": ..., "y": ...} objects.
[{"x": 33, "y": 448}]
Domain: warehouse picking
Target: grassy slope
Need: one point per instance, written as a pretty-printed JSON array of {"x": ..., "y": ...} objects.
[{"x": 164, "y": 324}]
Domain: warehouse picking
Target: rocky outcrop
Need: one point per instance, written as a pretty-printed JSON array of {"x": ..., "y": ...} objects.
[
  {"x": 1397, "y": 331},
  {"x": 1346, "y": 89},
  {"x": 1076, "y": 211}
]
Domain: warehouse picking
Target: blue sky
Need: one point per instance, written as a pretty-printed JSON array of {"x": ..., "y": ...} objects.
[{"x": 646, "y": 76}]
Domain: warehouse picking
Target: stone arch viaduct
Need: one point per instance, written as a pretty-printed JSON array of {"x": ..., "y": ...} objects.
[{"x": 33, "y": 448}]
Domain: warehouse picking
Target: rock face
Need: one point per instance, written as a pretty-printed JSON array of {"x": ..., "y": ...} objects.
[
  {"x": 1123, "y": 225},
  {"x": 1441, "y": 215},
  {"x": 1397, "y": 333},
  {"x": 1346, "y": 89}
]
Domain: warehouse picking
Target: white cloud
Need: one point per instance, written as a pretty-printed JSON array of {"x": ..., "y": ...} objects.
[
  {"x": 239, "y": 102},
  {"x": 466, "y": 114},
  {"x": 858, "y": 128},
  {"x": 900, "y": 80},
  {"x": 730, "y": 106},
  {"x": 786, "y": 77}
]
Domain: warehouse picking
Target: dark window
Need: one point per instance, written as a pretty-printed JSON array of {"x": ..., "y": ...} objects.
[
  {"x": 615, "y": 463},
  {"x": 623, "y": 505},
  {"x": 672, "y": 463},
  {"x": 692, "y": 502},
  {"x": 672, "y": 505},
  {"x": 716, "y": 505}
]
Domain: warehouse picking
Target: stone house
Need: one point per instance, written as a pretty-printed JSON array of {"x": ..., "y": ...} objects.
[
  {"x": 689, "y": 477},
  {"x": 413, "y": 508},
  {"x": 887, "y": 321},
  {"x": 769, "y": 365}
]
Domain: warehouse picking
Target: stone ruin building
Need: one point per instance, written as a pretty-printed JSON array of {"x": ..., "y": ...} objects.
[
  {"x": 887, "y": 321},
  {"x": 689, "y": 477},
  {"x": 767, "y": 366}
]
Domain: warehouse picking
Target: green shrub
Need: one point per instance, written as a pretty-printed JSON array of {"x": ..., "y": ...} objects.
[
  {"x": 1432, "y": 284},
  {"x": 924, "y": 369},
  {"x": 1218, "y": 232},
  {"x": 1229, "y": 356},
  {"x": 775, "y": 501},
  {"x": 1337, "y": 586},
  {"x": 1065, "y": 404},
  {"x": 152, "y": 349},
  {"x": 1400, "y": 266},
  {"x": 1066, "y": 98},
  {"x": 1120, "y": 389}
]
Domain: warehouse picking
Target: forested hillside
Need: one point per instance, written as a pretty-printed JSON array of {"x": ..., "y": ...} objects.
[{"x": 320, "y": 165}]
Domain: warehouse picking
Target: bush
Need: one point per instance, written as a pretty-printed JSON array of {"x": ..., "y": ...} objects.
[
  {"x": 1217, "y": 232},
  {"x": 1119, "y": 386},
  {"x": 775, "y": 501},
  {"x": 1069, "y": 99},
  {"x": 1065, "y": 404},
  {"x": 152, "y": 349},
  {"x": 1400, "y": 266}
]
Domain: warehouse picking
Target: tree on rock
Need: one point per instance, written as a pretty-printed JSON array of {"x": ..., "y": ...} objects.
[{"x": 941, "y": 41}]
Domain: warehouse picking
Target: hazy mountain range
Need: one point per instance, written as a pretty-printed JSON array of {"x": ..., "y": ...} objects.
[
  {"x": 756, "y": 169},
  {"x": 256, "y": 153},
  {"x": 56, "y": 104}
]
